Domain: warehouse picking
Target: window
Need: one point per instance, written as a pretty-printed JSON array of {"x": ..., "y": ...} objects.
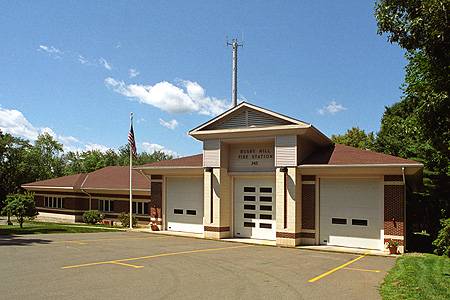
[
  {"x": 178, "y": 211},
  {"x": 191, "y": 212},
  {"x": 140, "y": 208},
  {"x": 264, "y": 225},
  {"x": 359, "y": 222},
  {"x": 249, "y": 224},
  {"x": 265, "y": 217},
  {"x": 340, "y": 221},
  {"x": 265, "y": 207},
  {"x": 249, "y": 198},
  {"x": 105, "y": 205},
  {"x": 265, "y": 190},
  {"x": 249, "y": 189},
  {"x": 265, "y": 199},
  {"x": 53, "y": 202}
]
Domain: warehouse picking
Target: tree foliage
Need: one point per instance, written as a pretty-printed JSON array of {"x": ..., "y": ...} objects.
[
  {"x": 422, "y": 28},
  {"x": 418, "y": 126},
  {"x": 23, "y": 162},
  {"x": 355, "y": 137}
]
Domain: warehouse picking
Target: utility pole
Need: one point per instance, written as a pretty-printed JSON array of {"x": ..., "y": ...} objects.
[{"x": 234, "y": 45}]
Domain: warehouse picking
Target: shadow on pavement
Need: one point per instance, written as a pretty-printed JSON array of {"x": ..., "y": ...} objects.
[{"x": 14, "y": 240}]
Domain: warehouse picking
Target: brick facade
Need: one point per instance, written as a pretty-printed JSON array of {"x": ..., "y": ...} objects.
[
  {"x": 156, "y": 202},
  {"x": 308, "y": 206},
  {"x": 394, "y": 211}
]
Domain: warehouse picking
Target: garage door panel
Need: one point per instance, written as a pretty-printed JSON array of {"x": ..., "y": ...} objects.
[
  {"x": 350, "y": 213},
  {"x": 254, "y": 208},
  {"x": 185, "y": 204}
]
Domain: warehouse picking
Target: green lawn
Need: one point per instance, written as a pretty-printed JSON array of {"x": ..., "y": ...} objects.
[
  {"x": 418, "y": 276},
  {"x": 41, "y": 227}
]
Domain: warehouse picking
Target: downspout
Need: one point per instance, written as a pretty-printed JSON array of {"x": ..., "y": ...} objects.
[
  {"x": 90, "y": 198},
  {"x": 150, "y": 193},
  {"x": 83, "y": 191},
  {"x": 404, "y": 209},
  {"x": 284, "y": 170}
]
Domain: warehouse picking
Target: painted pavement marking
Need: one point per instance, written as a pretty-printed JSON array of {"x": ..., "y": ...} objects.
[
  {"x": 116, "y": 261},
  {"x": 363, "y": 270},
  {"x": 336, "y": 269}
]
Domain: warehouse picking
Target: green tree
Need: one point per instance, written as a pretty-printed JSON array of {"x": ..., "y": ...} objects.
[
  {"x": 45, "y": 158},
  {"x": 14, "y": 166},
  {"x": 355, "y": 137},
  {"x": 418, "y": 126},
  {"x": 422, "y": 28},
  {"x": 21, "y": 206}
]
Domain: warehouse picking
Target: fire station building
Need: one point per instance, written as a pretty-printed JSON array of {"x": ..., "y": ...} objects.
[{"x": 263, "y": 175}]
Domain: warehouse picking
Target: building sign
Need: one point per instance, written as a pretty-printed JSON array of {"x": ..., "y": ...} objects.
[{"x": 251, "y": 157}]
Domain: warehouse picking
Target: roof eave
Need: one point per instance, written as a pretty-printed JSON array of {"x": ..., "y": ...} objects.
[{"x": 256, "y": 131}]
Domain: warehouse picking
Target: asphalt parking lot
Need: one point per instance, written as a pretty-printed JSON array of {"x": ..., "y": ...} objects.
[{"x": 121, "y": 265}]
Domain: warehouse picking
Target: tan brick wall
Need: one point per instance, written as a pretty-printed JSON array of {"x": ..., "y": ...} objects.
[
  {"x": 220, "y": 227},
  {"x": 285, "y": 236}
]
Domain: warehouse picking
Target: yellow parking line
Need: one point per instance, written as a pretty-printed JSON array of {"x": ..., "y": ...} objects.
[
  {"x": 154, "y": 256},
  {"x": 336, "y": 269},
  {"x": 127, "y": 265},
  {"x": 363, "y": 270}
]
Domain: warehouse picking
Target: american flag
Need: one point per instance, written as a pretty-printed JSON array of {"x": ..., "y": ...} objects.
[{"x": 132, "y": 142}]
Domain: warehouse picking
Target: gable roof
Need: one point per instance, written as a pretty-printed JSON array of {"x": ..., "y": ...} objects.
[
  {"x": 108, "y": 178},
  {"x": 338, "y": 154},
  {"x": 65, "y": 182},
  {"x": 259, "y": 113}
]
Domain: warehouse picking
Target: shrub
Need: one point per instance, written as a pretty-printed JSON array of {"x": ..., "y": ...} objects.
[
  {"x": 442, "y": 242},
  {"x": 125, "y": 220},
  {"x": 92, "y": 217}
]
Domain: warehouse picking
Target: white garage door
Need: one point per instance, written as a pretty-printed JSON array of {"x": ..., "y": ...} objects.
[
  {"x": 184, "y": 199},
  {"x": 254, "y": 208},
  {"x": 351, "y": 213}
]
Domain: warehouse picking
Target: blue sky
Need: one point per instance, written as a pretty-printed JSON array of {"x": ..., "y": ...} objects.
[{"x": 77, "y": 68}]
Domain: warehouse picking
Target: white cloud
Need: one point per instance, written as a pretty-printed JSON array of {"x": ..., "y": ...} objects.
[
  {"x": 14, "y": 122},
  {"x": 82, "y": 59},
  {"x": 332, "y": 108},
  {"x": 99, "y": 147},
  {"x": 172, "y": 124},
  {"x": 105, "y": 63},
  {"x": 186, "y": 97},
  {"x": 150, "y": 148},
  {"x": 133, "y": 73},
  {"x": 50, "y": 50}
]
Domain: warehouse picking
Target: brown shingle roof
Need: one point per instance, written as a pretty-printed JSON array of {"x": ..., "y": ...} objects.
[
  {"x": 115, "y": 177},
  {"x": 346, "y": 155},
  {"x": 187, "y": 161},
  {"x": 70, "y": 181},
  {"x": 111, "y": 178}
]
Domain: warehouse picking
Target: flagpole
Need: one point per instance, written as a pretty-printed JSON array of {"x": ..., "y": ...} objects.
[{"x": 131, "y": 165}]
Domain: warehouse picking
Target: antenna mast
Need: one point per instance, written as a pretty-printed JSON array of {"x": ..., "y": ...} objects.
[{"x": 234, "y": 45}]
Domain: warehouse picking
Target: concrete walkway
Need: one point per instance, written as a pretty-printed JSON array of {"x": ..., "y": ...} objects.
[{"x": 322, "y": 248}]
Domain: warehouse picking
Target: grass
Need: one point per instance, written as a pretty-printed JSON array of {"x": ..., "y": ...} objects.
[
  {"x": 41, "y": 227},
  {"x": 418, "y": 276}
]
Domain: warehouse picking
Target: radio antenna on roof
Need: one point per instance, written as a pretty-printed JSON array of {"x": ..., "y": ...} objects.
[{"x": 234, "y": 45}]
